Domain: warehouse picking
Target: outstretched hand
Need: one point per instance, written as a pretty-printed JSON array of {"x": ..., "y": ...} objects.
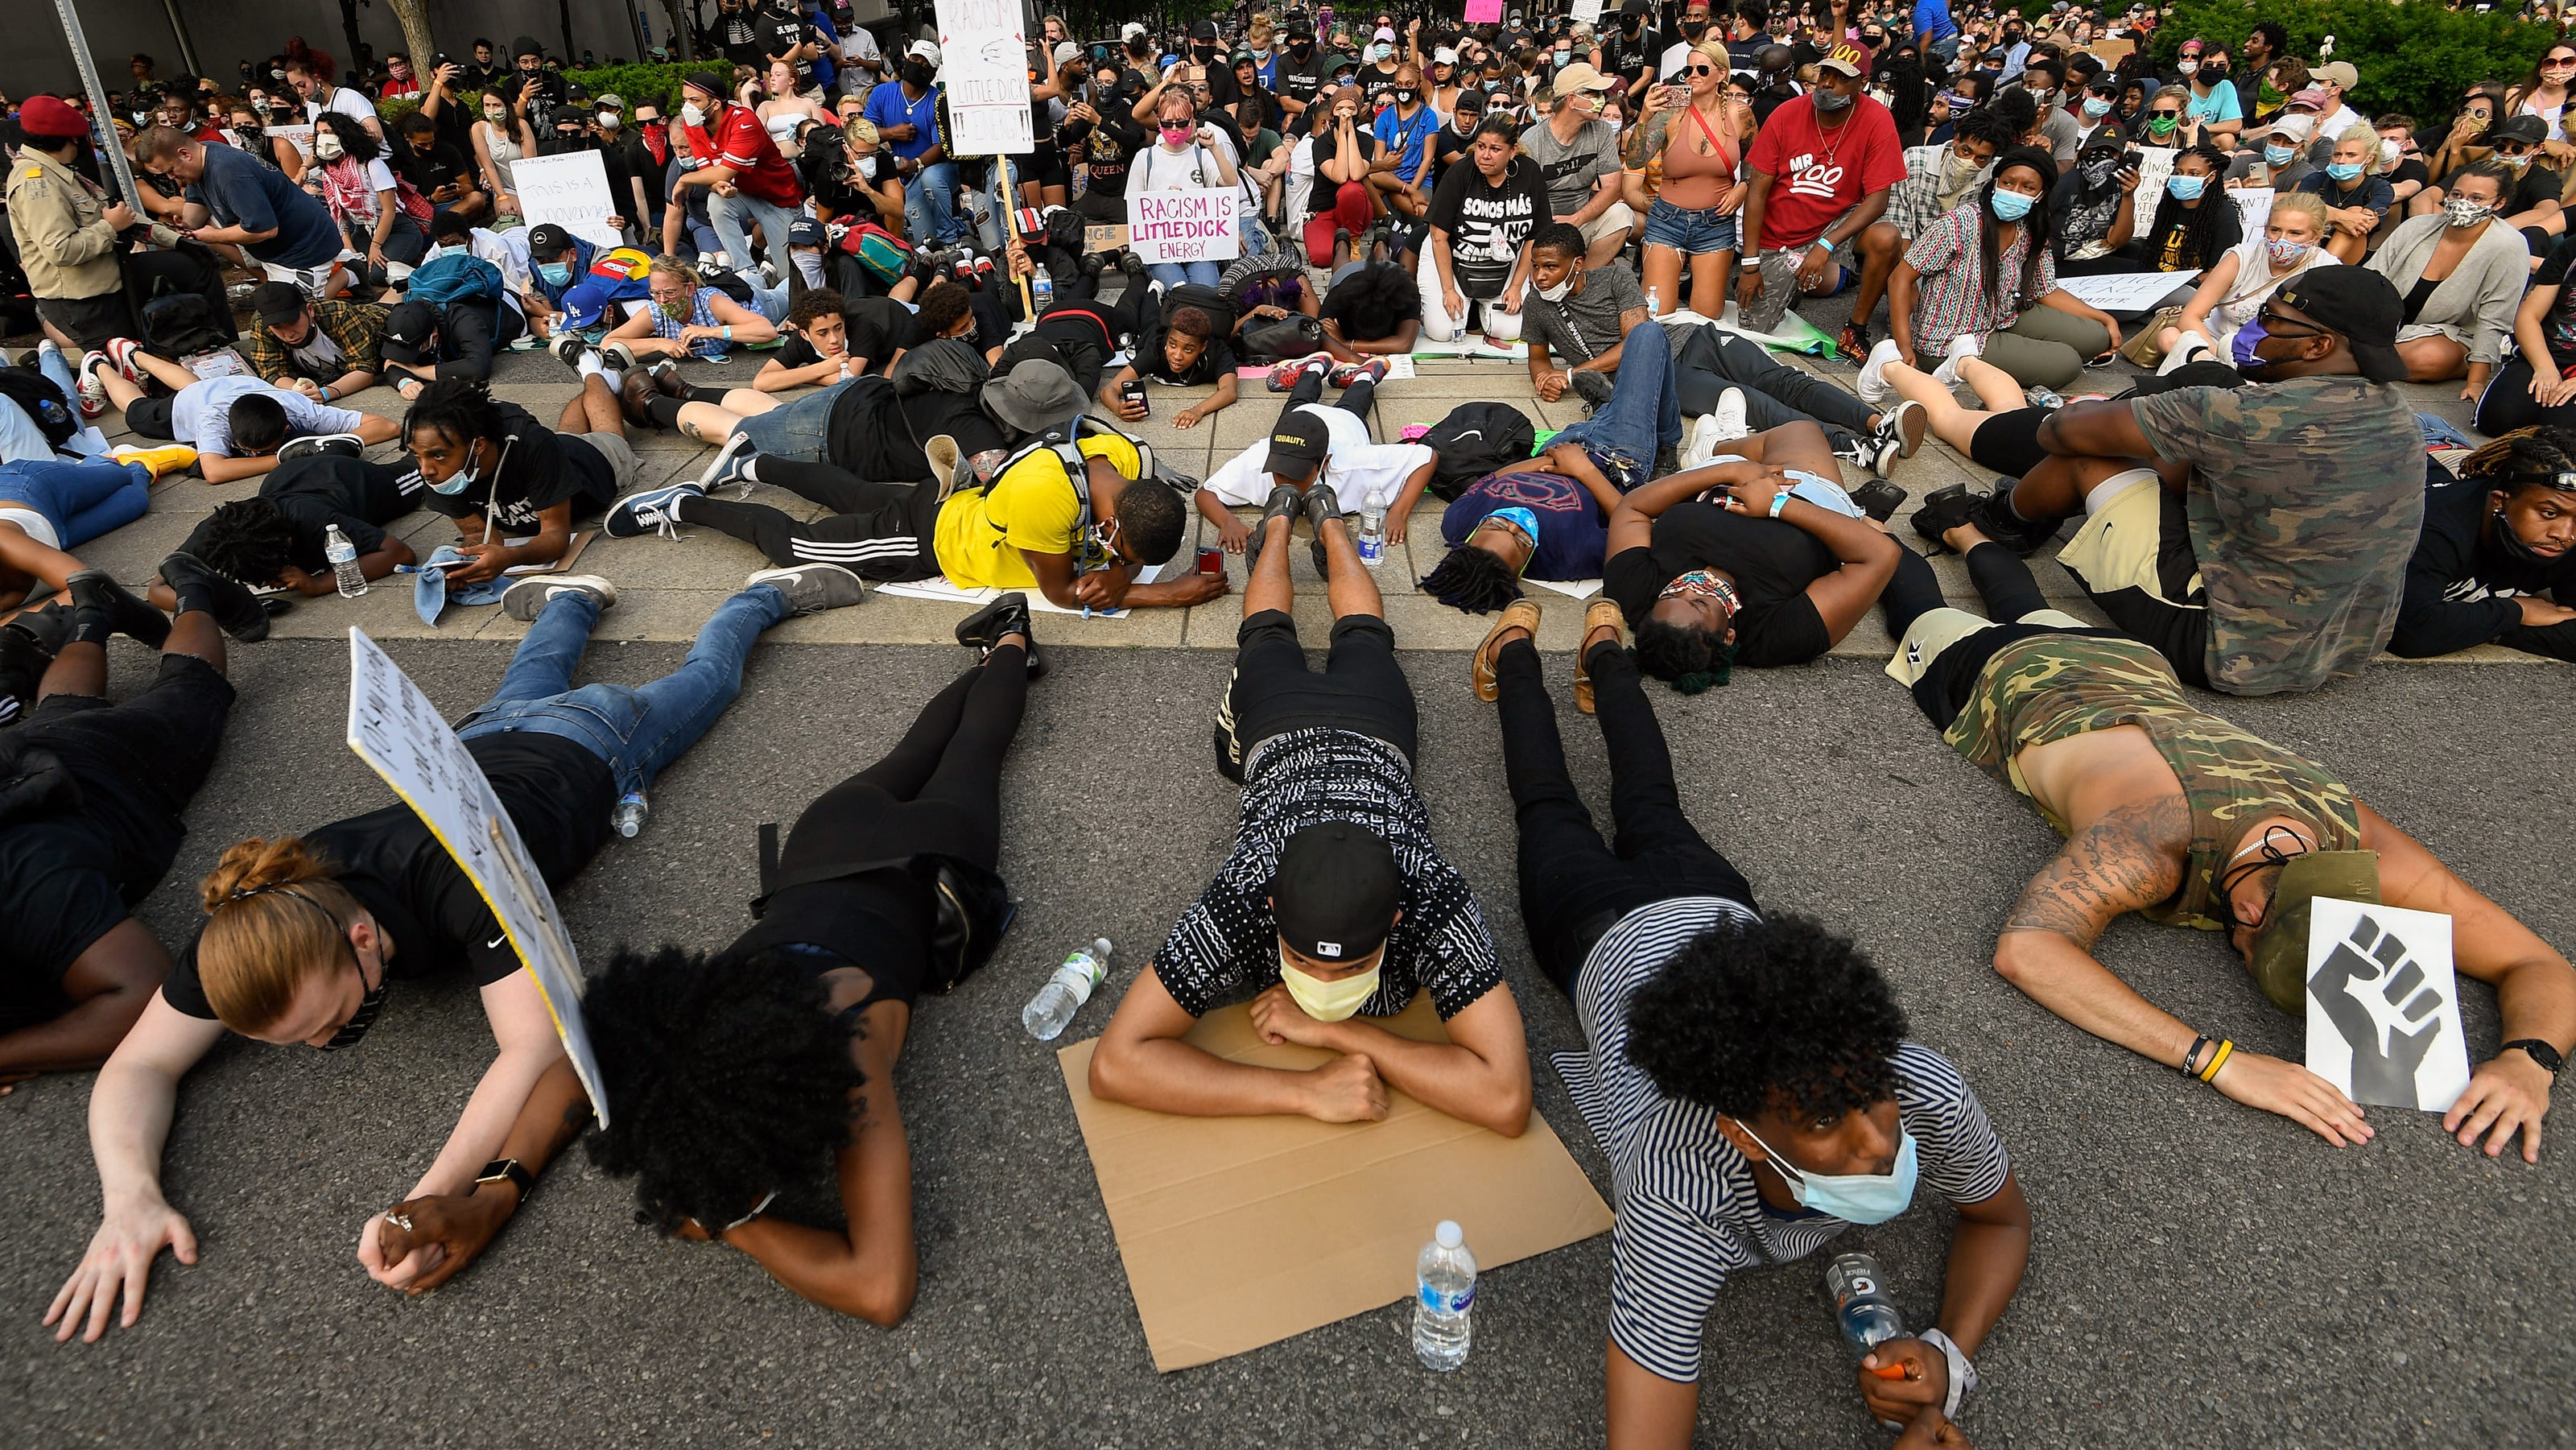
[{"x": 119, "y": 1264}]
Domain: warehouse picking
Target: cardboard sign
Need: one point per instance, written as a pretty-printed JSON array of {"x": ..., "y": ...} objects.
[
  {"x": 2384, "y": 1005},
  {"x": 402, "y": 737},
  {"x": 984, "y": 63},
  {"x": 1187, "y": 1193},
  {"x": 1190, "y": 224},
  {"x": 1484, "y": 12},
  {"x": 2111, "y": 52},
  {"x": 571, "y": 191},
  {"x": 2124, "y": 293}
]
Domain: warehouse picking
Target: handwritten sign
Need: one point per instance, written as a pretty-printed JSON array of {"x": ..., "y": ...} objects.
[
  {"x": 402, "y": 737},
  {"x": 2254, "y": 206},
  {"x": 2384, "y": 1005},
  {"x": 1484, "y": 12},
  {"x": 302, "y": 136},
  {"x": 1587, "y": 12},
  {"x": 569, "y": 190},
  {"x": 1191, "y": 224},
  {"x": 2155, "y": 164},
  {"x": 984, "y": 63}
]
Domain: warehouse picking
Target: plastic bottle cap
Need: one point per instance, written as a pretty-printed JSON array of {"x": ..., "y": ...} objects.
[{"x": 1448, "y": 1235}]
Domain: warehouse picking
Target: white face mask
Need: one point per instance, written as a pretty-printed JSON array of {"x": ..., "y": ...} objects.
[
  {"x": 328, "y": 147},
  {"x": 692, "y": 115},
  {"x": 868, "y": 166},
  {"x": 1558, "y": 292},
  {"x": 608, "y": 120}
]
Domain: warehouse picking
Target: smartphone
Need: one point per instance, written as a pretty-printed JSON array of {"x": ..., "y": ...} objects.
[{"x": 1133, "y": 391}]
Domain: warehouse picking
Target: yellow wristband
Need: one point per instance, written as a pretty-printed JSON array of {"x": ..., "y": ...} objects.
[{"x": 2209, "y": 1074}]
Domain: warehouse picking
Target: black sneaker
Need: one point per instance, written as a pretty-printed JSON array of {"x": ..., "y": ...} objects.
[
  {"x": 50, "y": 627},
  {"x": 1879, "y": 499},
  {"x": 1592, "y": 387},
  {"x": 1285, "y": 503},
  {"x": 1994, "y": 517},
  {"x": 346, "y": 445},
  {"x": 23, "y": 663},
  {"x": 236, "y": 609},
  {"x": 126, "y": 614},
  {"x": 1131, "y": 265},
  {"x": 1854, "y": 344},
  {"x": 1322, "y": 504},
  {"x": 1943, "y": 509},
  {"x": 983, "y": 629}
]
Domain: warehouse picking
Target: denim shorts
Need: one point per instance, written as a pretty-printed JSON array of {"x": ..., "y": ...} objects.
[
  {"x": 1691, "y": 233},
  {"x": 794, "y": 430}
]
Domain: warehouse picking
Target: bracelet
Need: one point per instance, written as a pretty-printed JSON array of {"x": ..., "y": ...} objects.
[
  {"x": 1779, "y": 501},
  {"x": 1963, "y": 1371},
  {"x": 326, "y": 392},
  {"x": 2209, "y": 1074},
  {"x": 728, "y": 332},
  {"x": 2191, "y": 1060}
]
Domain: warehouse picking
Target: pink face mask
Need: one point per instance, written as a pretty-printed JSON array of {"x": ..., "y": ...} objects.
[{"x": 1175, "y": 135}]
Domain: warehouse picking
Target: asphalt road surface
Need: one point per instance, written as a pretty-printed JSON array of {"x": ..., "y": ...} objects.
[{"x": 2202, "y": 1274}]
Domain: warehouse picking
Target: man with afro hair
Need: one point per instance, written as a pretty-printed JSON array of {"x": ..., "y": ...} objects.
[{"x": 276, "y": 540}]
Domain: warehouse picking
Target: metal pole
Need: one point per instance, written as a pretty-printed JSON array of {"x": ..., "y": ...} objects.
[
  {"x": 103, "y": 129},
  {"x": 179, "y": 33}
]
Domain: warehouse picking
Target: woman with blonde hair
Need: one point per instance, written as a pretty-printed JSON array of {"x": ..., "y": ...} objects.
[
  {"x": 2245, "y": 276},
  {"x": 1693, "y": 220}
]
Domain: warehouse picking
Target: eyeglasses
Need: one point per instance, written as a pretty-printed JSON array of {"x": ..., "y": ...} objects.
[{"x": 1703, "y": 70}]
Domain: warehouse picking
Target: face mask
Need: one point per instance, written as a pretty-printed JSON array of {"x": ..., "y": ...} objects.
[
  {"x": 1557, "y": 292},
  {"x": 1832, "y": 103},
  {"x": 1330, "y": 1001},
  {"x": 1301, "y": 48},
  {"x": 1956, "y": 168},
  {"x": 2514, "y": 163},
  {"x": 2286, "y": 255},
  {"x": 2460, "y": 213},
  {"x": 2344, "y": 170},
  {"x": 2278, "y": 155},
  {"x": 2213, "y": 73},
  {"x": 2162, "y": 126},
  {"x": 1852, "y": 1197},
  {"x": 2186, "y": 188},
  {"x": 608, "y": 120},
  {"x": 2099, "y": 171},
  {"x": 678, "y": 311},
  {"x": 328, "y": 147},
  {"x": 1629, "y": 23},
  {"x": 1405, "y": 97},
  {"x": 2188, "y": 67},
  {"x": 556, "y": 274},
  {"x": 868, "y": 166},
  {"x": 362, "y": 1019},
  {"x": 1561, "y": 55},
  {"x": 2095, "y": 107},
  {"x": 693, "y": 115},
  {"x": 463, "y": 478},
  {"x": 1381, "y": 51},
  {"x": 916, "y": 74},
  {"x": 1175, "y": 135},
  {"x": 1203, "y": 53},
  {"x": 2249, "y": 337},
  {"x": 2011, "y": 206}
]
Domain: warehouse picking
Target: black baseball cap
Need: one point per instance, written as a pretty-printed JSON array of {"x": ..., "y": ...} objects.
[
  {"x": 2525, "y": 127},
  {"x": 1301, "y": 28},
  {"x": 1337, "y": 891},
  {"x": 806, "y": 232},
  {"x": 1204, "y": 30},
  {"x": 1298, "y": 443},
  {"x": 277, "y": 303},
  {"x": 2364, "y": 307},
  {"x": 548, "y": 241}
]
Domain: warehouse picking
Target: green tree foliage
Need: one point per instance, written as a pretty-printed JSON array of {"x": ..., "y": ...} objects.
[{"x": 2417, "y": 58}]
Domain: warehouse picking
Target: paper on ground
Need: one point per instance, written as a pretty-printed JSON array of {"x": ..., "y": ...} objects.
[
  {"x": 1197, "y": 1204},
  {"x": 941, "y": 589},
  {"x": 1579, "y": 588},
  {"x": 2125, "y": 291},
  {"x": 2384, "y": 1005}
]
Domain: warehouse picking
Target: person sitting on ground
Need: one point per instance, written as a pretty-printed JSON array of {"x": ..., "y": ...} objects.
[
  {"x": 1820, "y": 173},
  {"x": 75, "y": 858},
  {"x": 2178, "y": 815},
  {"x": 1183, "y": 353},
  {"x": 2539, "y": 384},
  {"x": 1516, "y": 524},
  {"x": 2531, "y": 205},
  {"x": 278, "y": 539},
  {"x": 2238, "y": 284},
  {"x": 743, "y": 1071},
  {"x": 2288, "y": 507},
  {"x": 2095, "y": 204},
  {"x": 2462, "y": 273},
  {"x": 1372, "y": 309},
  {"x": 501, "y": 475},
  {"x": 1314, "y": 442},
  {"x": 1775, "y": 571},
  {"x": 51, "y": 506},
  {"x": 237, "y": 424},
  {"x": 1938, "y": 180},
  {"x": 1334, "y": 899},
  {"x": 1475, "y": 258},
  {"x": 2357, "y": 201},
  {"x": 575, "y": 286},
  {"x": 379, "y": 216},
  {"x": 324, "y": 350},
  {"x": 1712, "y": 362},
  {"x": 2196, "y": 222},
  {"x": 1749, "y": 1080},
  {"x": 233, "y": 200},
  {"x": 306, "y": 936},
  {"x": 688, "y": 318},
  {"x": 2497, "y": 562},
  {"x": 455, "y": 318}
]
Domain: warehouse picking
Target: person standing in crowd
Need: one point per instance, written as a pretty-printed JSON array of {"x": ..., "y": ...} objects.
[
  {"x": 322, "y": 97},
  {"x": 1692, "y": 222},
  {"x": 1820, "y": 173},
  {"x": 738, "y": 161},
  {"x": 67, "y": 231}
]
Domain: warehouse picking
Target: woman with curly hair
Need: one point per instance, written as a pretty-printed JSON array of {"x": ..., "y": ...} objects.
[
  {"x": 376, "y": 210},
  {"x": 1748, "y": 1079}
]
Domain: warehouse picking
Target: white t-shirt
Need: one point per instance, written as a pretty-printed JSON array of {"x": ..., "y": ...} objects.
[
  {"x": 2254, "y": 283},
  {"x": 1361, "y": 472},
  {"x": 348, "y": 103},
  {"x": 509, "y": 252},
  {"x": 201, "y": 414}
]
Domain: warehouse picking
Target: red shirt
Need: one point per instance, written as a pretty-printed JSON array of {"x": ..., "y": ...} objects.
[
  {"x": 1819, "y": 177},
  {"x": 743, "y": 144}
]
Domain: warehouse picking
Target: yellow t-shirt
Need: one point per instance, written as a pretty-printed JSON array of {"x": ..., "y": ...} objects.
[{"x": 1031, "y": 506}]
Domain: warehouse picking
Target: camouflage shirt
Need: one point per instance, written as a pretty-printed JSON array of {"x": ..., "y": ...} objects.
[
  {"x": 2306, "y": 499},
  {"x": 2053, "y": 686}
]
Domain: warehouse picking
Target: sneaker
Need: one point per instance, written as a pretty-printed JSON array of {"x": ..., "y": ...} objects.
[
  {"x": 236, "y": 609},
  {"x": 126, "y": 614},
  {"x": 1284, "y": 376},
  {"x": 1726, "y": 421},
  {"x": 1943, "y": 509},
  {"x": 727, "y": 466},
  {"x": 1872, "y": 383},
  {"x": 346, "y": 445},
  {"x": 1966, "y": 345},
  {"x": 1854, "y": 343},
  {"x": 1592, "y": 387},
  {"x": 527, "y": 599},
  {"x": 163, "y": 461},
  {"x": 652, "y": 510},
  {"x": 945, "y": 469},
  {"x": 1009, "y": 614},
  {"x": 1344, "y": 375},
  {"x": 1883, "y": 454},
  {"x": 93, "y": 393},
  {"x": 1993, "y": 515},
  {"x": 569, "y": 348},
  {"x": 1285, "y": 503},
  {"x": 1322, "y": 504},
  {"x": 813, "y": 588},
  {"x": 1132, "y": 265},
  {"x": 1879, "y": 499},
  {"x": 121, "y": 351},
  {"x": 1905, "y": 423},
  {"x": 617, "y": 355}
]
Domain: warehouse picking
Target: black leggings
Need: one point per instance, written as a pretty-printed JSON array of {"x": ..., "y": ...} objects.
[
  {"x": 879, "y": 531},
  {"x": 2507, "y": 403},
  {"x": 1573, "y": 886},
  {"x": 2003, "y": 581}
]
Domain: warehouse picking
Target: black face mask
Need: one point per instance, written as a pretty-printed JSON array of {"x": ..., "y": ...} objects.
[
  {"x": 1404, "y": 97},
  {"x": 916, "y": 74},
  {"x": 1631, "y": 23},
  {"x": 1301, "y": 48},
  {"x": 1694, "y": 29},
  {"x": 2510, "y": 545},
  {"x": 1203, "y": 53}
]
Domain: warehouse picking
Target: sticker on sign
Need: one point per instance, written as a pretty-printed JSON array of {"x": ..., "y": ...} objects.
[{"x": 395, "y": 729}]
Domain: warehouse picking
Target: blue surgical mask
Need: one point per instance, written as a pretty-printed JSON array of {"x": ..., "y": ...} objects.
[
  {"x": 2095, "y": 108},
  {"x": 462, "y": 479},
  {"x": 2186, "y": 188},
  {"x": 2278, "y": 155},
  {"x": 2344, "y": 170},
  {"x": 555, "y": 273},
  {"x": 2248, "y": 338},
  {"x": 1853, "y": 1197},
  {"x": 2011, "y": 206}
]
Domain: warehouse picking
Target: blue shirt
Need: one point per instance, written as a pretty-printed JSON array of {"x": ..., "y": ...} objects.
[
  {"x": 1571, "y": 535},
  {"x": 1407, "y": 137},
  {"x": 887, "y": 107},
  {"x": 824, "y": 64},
  {"x": 2221, "y": 104},
  {"x": 1932, "y": 20},
  {"x": 242, "y": 193}
]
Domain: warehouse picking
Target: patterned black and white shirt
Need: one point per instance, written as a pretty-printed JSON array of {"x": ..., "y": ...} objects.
[
  {"x": 1689, "y": 1214},
  {"x": 1228, "y": 939}
]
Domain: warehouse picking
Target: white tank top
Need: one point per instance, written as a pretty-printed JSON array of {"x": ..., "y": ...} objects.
[
  {"x": 782, "y": 131},
  {"x": 504, "y": 151}
]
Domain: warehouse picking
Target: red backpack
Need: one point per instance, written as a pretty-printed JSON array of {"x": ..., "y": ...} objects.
[{"x": 886, "y": 256}]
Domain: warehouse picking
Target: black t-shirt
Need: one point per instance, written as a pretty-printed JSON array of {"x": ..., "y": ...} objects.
[
  {"x": 2460, "y": 589},
  {"x": 558, "y": 793},
  {"x": 1626, "y": 56},
  {"x": 536, "y": 469},
  {"x": 795, "y": 351},
  {"x": 1107, "y": 149},
  {"x": 2558, "y": 324},
  {"x": 782, "y": 30},
  {"x": 321, "y": 489},
  {"x": 1771, "y": 562},
  {"x": 739, "y": 39},
  {"x": 1374, "y": 83},
  {"x": 1447, "y": 145},
  {"x": 1216, "y": 360},
  {"x": 58, "y": 888},
  {"x": 1743, "y": 57},
  {"x": 1769, "y": 99},
  {"x": 1487, "y": 223},
  {"x": 880, "y": 327},
  {"x": 1301, "y": 80},
  {"x": 1328, "y": 145},
  {"x": 427, "y": 171},
  {"x": 2411, "y": 169},
  {"x": 1368, "y": 311}
]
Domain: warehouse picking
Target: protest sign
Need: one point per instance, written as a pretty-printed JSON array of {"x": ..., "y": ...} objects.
[
  {"x": 2254, "y": 208},
  {"x": 571, "y": 191},
  {"x": 1484, "y": 12},
  {"x": 984, "y": 62},
  {"x": 1192, "y": 224},
  {"x": 2384, "y": 1005},
  {"x": 1587, "y": 12},
  {"x": 395, "y": 729},
  {"x": 302, "y": 136},
  {"x": 2155, "y": 164}
]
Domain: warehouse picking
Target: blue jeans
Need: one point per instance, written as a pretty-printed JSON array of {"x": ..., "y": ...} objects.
[
  {"x": 1643, "y": 416},
  {"x": 81, "y": 500},
  {"x": 1173, "y": 274},
  {"x": 794, "y": 430},
  {"x": 733, "y": 216},
  {"x": 930, "y": 206},
  {"x": 639, "y": 731}
]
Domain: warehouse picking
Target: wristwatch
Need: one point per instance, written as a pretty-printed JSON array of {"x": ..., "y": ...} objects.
[
  {"x": 507, "y": 1168},
  {"x": 2538, "y": 1051}
]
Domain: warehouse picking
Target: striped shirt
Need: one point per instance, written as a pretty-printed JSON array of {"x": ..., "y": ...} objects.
[
  {"x": 1955, "y": 298},
  {"x": 1689, "y": 1214},
  {"x": 1228, "y": 938}
]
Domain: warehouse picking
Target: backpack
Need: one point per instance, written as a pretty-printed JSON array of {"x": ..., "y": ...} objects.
[
  {"x": 36, "y": 395},
  {"x": 1220, "y": 312},
  {"x": 453, "y": 277},
  {"x": 180, "y": 323},
  {"x": 886, "y": 256},
  {"x": 731, "y": 284},
  {"x": 1474, "y": 440}
]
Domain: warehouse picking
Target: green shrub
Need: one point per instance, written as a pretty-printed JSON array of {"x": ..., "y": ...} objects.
[
  {"x": 629, "y": 83},
  {"x": 2417, "y": 58}
]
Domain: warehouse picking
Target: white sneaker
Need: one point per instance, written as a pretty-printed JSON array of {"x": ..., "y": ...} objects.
[
  {"x": 1723, "y": 424},
  {"x": 2192, "y": 348},
  {"x": 1872, "y": 384},
  {"x": 1965, "y": 345}
]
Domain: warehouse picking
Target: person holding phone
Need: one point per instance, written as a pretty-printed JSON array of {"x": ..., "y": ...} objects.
[{"x": 1699, "y": 137}]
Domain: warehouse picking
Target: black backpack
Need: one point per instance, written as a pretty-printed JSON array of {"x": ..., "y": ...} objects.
[
  {"x": 36, "y": 395},
  {"x": 1477, "y": 439},
  {"x": 180, "y": 324},
  {"x": 1206, "y": 299}
]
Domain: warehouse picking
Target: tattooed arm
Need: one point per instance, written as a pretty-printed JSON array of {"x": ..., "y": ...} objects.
[
  {"x": 2130, "y": 858},
  {"x": 1646, "y": 141}
]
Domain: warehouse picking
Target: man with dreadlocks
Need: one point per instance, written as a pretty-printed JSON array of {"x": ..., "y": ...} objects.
[
  {"x": 1516, "y": 524},
  {"x": 498, "y": 472},
  {"x": 276, "y": 540},
  {"x": 2497, "y": 560}
]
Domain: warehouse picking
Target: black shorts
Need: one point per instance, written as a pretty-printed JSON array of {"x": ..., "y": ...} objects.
[
  {"x": 2008, "y": 443},
  {"x": 139, "y": 761},
  {"x": 1362, "y": 689},
  {"x": 150, "y": 418},
  {"x": 91, "y": 321}
]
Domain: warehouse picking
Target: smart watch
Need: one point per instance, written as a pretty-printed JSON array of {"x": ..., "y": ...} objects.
[
  {"x": 500, "y": 1169},
  {"x": 2538, "y": 1051}
]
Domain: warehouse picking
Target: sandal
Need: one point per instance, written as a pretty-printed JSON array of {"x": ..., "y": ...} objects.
[
  {"x": 1519, "y": 614},
  {"x": 1598, "y": 613}
]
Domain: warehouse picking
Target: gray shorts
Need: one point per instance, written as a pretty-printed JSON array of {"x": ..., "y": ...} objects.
[{"x": 619, "y": 453}]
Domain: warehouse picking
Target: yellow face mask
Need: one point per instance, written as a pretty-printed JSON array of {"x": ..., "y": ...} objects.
[{"x": 1330, "y": 1001}]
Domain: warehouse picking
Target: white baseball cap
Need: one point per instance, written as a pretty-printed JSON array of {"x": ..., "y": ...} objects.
[
  {"x": 928, "y": 50},
  {"x": 1133, "y": 30},
  {"x": 1444, "y": 56}
]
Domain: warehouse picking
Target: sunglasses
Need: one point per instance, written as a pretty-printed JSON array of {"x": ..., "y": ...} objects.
[
  {"x": 2273, "y": 322},
  {"x": 1703, "y": 69},
  {"x": 2514, "y": 148},
  {"x": 2164, "y": 115}
]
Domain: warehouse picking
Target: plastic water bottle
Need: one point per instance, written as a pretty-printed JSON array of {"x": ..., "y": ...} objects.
[
  {"x": 629, "y": 815},
  {"x": 1066, "y": 991},
  {"x": 1444, "y": 1295},
  {"x": 1042, "y": 292},
  {"x": 343, "y": 558},
  {"x": 1654, "y": 303},
  {"x": 1372, "y": 536},
  {"x": 1862, "y": 1305}
]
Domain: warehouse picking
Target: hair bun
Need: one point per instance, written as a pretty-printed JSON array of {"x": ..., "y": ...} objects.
[{"x": 253, "y": 864}]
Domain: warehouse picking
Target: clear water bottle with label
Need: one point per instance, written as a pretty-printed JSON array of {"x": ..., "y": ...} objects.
[
  {"x": 1372, "y": 536},
  {"x": 1042, "y": 292},
  {"x": 1064, "y": 993},
  {"x": 628, "y": 816},
  {"x": 1444, "y": 1295},
  {"x": 1654, "y": 302},
  {"x": 342, "y": 556},
  {"x": 1863, "y": 1306}
]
